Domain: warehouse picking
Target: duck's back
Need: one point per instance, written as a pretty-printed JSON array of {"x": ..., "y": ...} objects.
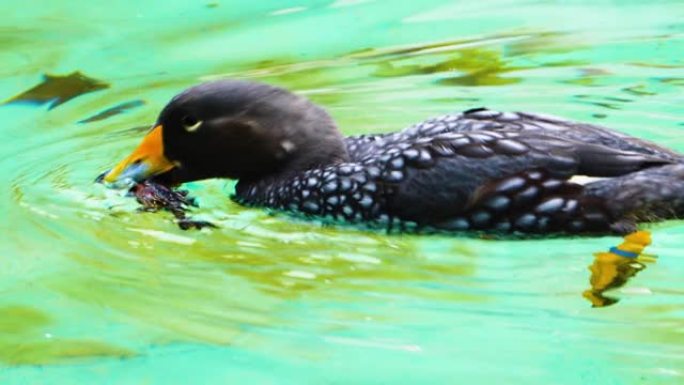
[
  {"x": 482, "y": 170},
  {"x": 489, "y": 171},
  {"x": 482, "y": 119}
]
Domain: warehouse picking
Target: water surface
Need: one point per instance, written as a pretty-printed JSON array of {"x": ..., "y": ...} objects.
[{"x": 93, "y": 291}]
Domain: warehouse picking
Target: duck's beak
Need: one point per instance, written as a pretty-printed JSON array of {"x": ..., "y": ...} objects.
[{"x": 146, "y": 161}]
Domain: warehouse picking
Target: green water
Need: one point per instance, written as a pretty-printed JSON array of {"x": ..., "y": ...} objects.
[{"x": 93, "y": 292}]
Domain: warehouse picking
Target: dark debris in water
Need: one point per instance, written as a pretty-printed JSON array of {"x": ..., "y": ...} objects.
[
  {"x": 672, "y": 81},
  {"x": 155, "y": 197},
  {"x": 639, "y": 90},
  {"x": 112, "y": 111},
  {"x": 55, "y": 89},
  {"x": 608, "y": 102}
]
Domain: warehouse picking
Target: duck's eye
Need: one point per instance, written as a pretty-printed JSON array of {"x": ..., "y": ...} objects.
[{"x": 190, "y": 123}]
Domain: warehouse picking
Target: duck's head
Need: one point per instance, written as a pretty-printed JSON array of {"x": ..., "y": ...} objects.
[{"x": 233, "y": 129}]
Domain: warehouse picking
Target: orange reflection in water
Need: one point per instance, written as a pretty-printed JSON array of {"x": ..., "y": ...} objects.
[{"x": 613, "y": 268}]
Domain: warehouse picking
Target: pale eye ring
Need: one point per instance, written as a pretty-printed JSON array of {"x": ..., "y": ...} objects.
[{"x": 190, "y": 123}]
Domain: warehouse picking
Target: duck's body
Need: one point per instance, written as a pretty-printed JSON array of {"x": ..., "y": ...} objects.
[{"x": 478, "y": 170}]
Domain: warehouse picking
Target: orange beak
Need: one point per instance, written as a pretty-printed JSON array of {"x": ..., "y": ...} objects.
[{"x": 146, "y": 161}]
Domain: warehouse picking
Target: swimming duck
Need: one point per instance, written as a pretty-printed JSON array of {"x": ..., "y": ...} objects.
[{"x": 477, "y": 170}]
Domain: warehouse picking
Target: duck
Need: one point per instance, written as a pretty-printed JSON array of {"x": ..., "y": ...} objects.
[{"x": 478, "y": 170}]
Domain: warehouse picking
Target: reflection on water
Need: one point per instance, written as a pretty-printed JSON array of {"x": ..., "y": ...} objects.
[{"x": 612, "y": 269}]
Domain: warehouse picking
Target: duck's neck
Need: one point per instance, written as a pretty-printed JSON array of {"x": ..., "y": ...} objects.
[
  {"x": 309, "y": 140},
  {"x": 258, "y": 188}
]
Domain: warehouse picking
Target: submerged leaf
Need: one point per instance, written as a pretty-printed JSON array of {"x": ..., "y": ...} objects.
[
  {"x": 58, "y": 350},
  {"x": 18, "y": 319},
  {"x": 116, "y": 110},
  {"x": 56, "y": 90}
]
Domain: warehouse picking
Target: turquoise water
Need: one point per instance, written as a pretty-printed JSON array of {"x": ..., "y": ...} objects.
[{"x": 94, "y": 292}]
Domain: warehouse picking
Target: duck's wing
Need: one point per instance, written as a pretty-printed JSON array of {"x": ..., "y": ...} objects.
[
  {"x": 482, "y": 119},
  {"x": 499, "y": 179}
]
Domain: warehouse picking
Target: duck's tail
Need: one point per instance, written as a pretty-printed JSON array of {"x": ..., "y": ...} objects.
[{"x": 649, "y": 195}]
